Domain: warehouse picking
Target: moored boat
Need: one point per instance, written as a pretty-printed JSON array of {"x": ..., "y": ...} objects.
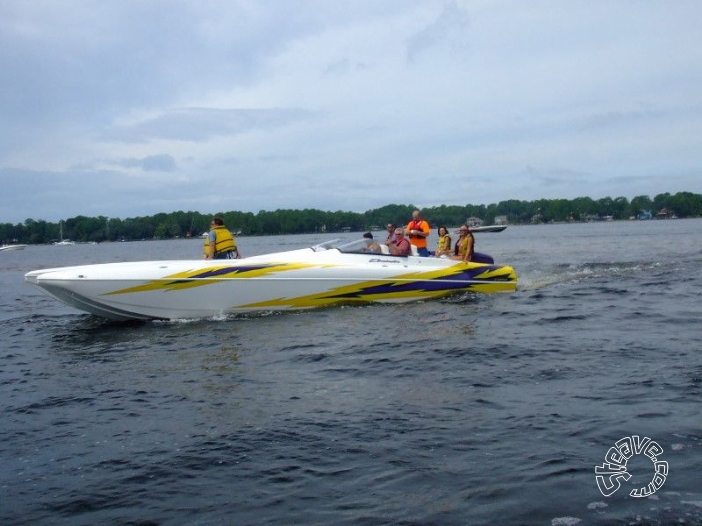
[{"x": 322, "y": 275}]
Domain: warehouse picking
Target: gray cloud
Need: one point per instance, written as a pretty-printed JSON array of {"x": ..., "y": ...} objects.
[
  {"x": 159, "y": 163},
  {"x": 151, "y": 163},
  {"x": 614, "y": 118},
  {"x": 60, "y": 195},
  {"x": 344, "y": 66},
  {"x": 201, "y": 124},
  {"x": 329, "y": 104},
  {"x": 96, "y": 59},
  {"x": 449, "y": 28}
]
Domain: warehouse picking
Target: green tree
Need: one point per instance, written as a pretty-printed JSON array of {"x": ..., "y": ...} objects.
[{"x": 640, "y": 203}]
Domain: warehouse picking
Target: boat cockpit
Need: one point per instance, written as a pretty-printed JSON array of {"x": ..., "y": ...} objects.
[{"x": 357, "y": 246}]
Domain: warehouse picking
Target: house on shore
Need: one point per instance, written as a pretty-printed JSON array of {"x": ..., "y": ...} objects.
[{"x": 666, "y": 213}]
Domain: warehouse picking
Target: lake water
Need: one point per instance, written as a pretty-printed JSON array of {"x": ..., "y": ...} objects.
[{"x": 471, "y": 410}]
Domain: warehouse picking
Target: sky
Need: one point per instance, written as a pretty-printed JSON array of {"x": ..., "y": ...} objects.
[{"x": 127, "y": 108}]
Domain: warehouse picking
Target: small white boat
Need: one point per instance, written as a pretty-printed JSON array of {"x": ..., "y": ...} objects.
[
  {"x": 322, "y": 275},
  {"x": 12, "y": 247},
  {"x": 63, "y": 242}
]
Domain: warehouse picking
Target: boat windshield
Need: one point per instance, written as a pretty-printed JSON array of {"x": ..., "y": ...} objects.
[
  {"x": 326, "y": 245},
  {"x": 355, "y": 246},
  {"x": 358, "y": 245}
]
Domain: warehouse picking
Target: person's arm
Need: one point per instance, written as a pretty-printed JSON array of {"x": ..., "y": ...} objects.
[
  {"x": 469, "y": 250},
  {"x": 213, "y": 238},
  {"x": 423, "y": 230}
]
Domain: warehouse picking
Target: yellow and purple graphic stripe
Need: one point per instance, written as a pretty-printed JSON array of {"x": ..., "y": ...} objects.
[
  {"x": 410, "y": 286},
  {"x": 211, "y": 275}
]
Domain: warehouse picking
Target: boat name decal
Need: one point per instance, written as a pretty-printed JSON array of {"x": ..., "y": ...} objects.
[{"x": 378, "y": 260}]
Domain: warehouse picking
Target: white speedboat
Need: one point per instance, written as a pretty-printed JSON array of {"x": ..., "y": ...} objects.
[
  {"x": 322, "y": 275},
  {"x": 12, "y": 247},
  {"x": 488, "y": 228}
]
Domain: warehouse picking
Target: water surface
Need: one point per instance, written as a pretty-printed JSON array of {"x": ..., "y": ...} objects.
[{"x": 470, "y": 410}]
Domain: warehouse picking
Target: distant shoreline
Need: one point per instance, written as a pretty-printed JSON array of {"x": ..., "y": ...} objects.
[{"x": 181, "y": 224}]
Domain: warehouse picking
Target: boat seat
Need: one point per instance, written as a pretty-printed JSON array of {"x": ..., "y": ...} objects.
[
  {"x": 413, "y": 250},
  {"x": 384, "y": 249}
]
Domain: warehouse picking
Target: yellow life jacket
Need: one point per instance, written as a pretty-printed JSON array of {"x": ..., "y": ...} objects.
[
  {"x": 224, "y": 241},
  {"x": 463, "y": 244},
  {"x": 444, "y": 243}
]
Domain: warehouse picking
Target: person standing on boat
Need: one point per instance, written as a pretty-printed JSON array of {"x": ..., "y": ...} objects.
[
  {"x": 465, "y": 245},
  {"x": 418, "y": 231},
  {"x": 220, "y": 242},
  {"x": 401, "y": 246},
  {"x": 443, "y": 247}
]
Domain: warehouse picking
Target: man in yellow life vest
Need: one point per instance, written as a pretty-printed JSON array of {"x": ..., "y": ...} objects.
[{"x": 220, "y": 242}]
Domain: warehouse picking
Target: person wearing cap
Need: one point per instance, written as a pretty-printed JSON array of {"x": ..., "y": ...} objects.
[
  {"x": 371, "y": 246},
  {"x": 401, "y": 246},
  {"x": 418, "y": 230},
  {"x": 463, "y": 251}
]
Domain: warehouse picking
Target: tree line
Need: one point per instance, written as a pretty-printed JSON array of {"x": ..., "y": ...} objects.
[{"x": 286, "y": 221}]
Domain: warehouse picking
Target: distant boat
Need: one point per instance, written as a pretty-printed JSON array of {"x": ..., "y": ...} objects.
[
  {"x": 63, "y": 242},
  {"x": 12, "y": 247},
  {"x": 489, "y": 228}
]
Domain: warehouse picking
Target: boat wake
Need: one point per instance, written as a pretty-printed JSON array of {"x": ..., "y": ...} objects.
[{"x": 565, "y": 274}]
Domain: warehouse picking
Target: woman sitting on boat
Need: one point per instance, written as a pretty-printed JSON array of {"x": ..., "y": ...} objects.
[
  {"x": 463, "y": 251},
  {"x": 443, "y": 247}
]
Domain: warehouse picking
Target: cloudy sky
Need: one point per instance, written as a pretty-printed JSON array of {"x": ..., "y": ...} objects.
[{"x": 133, "y": 107}]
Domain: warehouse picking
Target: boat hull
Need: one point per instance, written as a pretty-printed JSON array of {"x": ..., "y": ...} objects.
[
  {"x": 300, "y": 279},
  {"x": 488, "y": 228},
  {"x": 7, "y": 248}
]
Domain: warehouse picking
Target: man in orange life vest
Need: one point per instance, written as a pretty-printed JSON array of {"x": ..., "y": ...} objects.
[{"x": 418, "y": 230}]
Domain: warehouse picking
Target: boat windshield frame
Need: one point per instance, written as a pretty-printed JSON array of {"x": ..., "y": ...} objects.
[
  {"x": 357, "y": 246},
  {"x": 321, "y": 247}
]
